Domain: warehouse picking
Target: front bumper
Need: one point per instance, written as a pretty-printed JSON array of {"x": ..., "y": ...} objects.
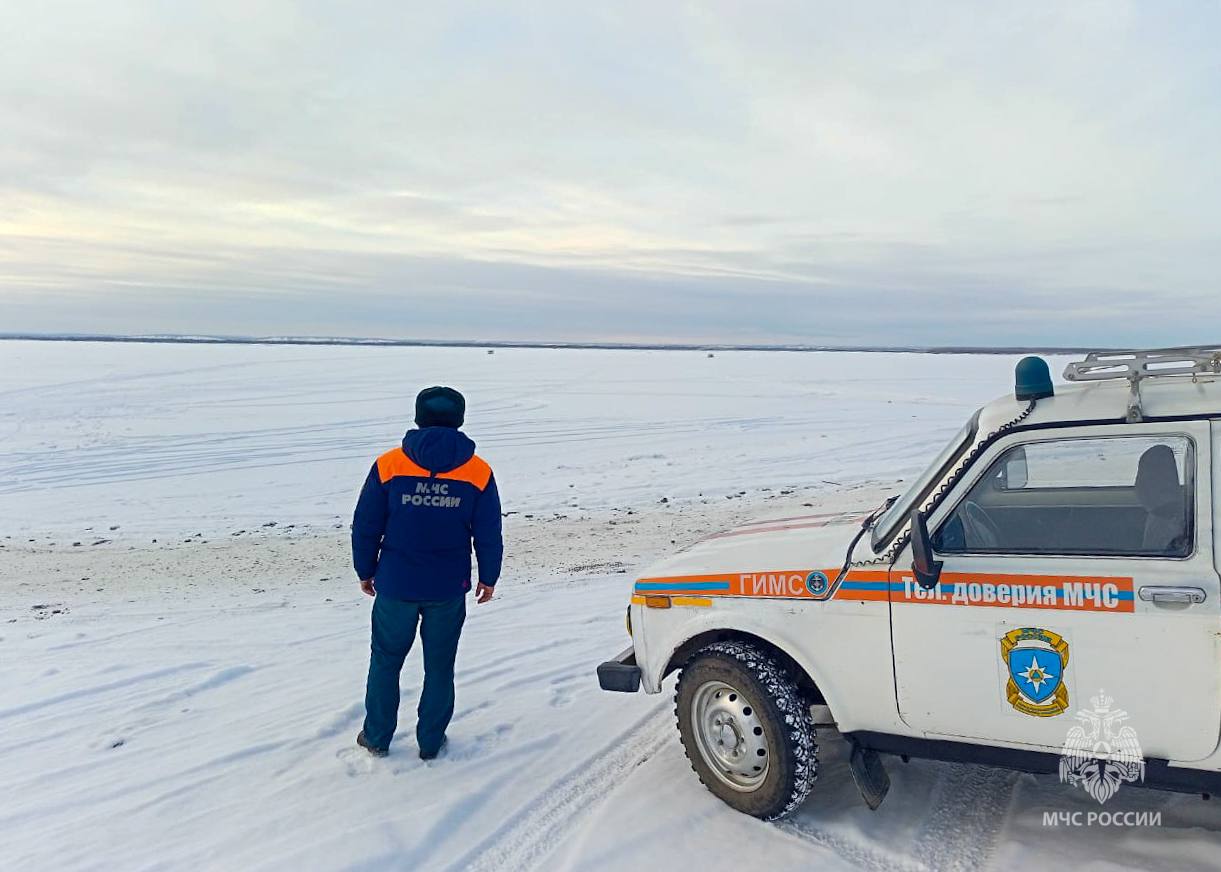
[{"x": 621, "y": 674}]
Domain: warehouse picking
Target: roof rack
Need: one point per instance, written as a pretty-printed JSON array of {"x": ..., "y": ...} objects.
[{"x": 1135, "y": 366}]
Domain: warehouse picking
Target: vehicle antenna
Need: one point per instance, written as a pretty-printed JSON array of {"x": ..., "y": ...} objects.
[{"x": 868, "y": 523}]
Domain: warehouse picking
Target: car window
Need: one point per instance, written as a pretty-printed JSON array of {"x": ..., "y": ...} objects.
[{"x": 1107, "y": 496}]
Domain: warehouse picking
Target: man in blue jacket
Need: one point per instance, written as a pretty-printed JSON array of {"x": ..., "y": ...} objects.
[{"x": 419, "y": 511}]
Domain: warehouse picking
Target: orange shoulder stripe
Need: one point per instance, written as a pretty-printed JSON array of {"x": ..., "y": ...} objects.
[
  {"x": 396, "y": 462},
  {"x": 475, "y": 471}
]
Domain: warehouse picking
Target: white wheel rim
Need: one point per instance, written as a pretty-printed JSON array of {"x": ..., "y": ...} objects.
[{"x": 730, "y": 736}]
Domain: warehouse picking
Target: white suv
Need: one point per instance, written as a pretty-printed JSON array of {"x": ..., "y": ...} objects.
[{"x": 1060, "y": 549}]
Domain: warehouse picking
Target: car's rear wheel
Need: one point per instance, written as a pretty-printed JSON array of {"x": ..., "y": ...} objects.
[{"x": 746, "y": 729}]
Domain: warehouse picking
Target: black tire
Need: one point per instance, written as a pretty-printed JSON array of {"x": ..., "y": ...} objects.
[{"x": 774, "y": 704}]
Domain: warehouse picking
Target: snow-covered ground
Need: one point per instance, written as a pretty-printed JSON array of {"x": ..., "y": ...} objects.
[
  {"x": 217, "y": 438},
  {"x": 181, "y": 681}
]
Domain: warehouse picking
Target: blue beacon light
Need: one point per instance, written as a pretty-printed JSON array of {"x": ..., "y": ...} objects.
[{"x": 1032, "y": 379}]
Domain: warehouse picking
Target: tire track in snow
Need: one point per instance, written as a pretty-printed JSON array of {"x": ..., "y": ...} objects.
[
  {"x": 965, "y": 822},
  {"x": 863, "y": 855},
  {"x": 537, "y": 829},
  {"x": 958, "y": 831}
]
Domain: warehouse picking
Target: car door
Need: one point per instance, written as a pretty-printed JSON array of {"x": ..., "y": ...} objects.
[{"x": 1078, "y": 572}]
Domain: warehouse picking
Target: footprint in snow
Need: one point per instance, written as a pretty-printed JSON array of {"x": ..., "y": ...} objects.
[
  {"x": 460, "y": 748},
  {"x": 561, "y": 697},
  {"x": 356, "y": 761}
]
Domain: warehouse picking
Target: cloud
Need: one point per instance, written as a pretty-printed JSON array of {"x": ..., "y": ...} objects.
[{"x": 787, "y": 171}]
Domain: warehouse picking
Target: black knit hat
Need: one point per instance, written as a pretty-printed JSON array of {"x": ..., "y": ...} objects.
[{"x": 440, "y": 407}]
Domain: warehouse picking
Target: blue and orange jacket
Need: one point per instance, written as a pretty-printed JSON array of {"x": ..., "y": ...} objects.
[{"x": 420, "y": 509}]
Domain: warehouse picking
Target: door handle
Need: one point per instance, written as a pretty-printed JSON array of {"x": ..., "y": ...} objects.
[{"x": 1164, "y": 593}]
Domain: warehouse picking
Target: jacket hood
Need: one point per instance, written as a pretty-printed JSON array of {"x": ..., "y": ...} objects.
[{"x": 438, "y": 449}]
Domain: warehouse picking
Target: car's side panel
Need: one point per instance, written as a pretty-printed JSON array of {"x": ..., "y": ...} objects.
[
  {"x": 844, "y": 646},
  {"x": 772, "y": 579}
]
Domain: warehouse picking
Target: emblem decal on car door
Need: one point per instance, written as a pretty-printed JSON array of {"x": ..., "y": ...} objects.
[{"x": 1035, "y": 660}]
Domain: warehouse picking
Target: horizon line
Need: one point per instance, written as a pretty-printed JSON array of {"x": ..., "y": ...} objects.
[{"x": 598, "y": 345}]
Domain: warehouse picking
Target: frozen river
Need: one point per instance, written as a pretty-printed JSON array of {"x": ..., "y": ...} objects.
[{"x": 181, "y": 683}]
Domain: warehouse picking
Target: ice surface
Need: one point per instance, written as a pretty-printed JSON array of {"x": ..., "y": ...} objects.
[
  {"x": 191, "y": 703},
  {"x": 201, "y": 438}
]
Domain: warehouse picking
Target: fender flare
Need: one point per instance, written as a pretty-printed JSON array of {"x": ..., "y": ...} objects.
[{"x": 809, "y": 678}]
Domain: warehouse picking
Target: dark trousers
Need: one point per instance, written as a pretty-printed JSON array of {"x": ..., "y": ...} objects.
[{"x": 394, "y": 626}]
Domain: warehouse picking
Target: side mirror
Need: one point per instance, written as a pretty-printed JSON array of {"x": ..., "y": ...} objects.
[{"x": 926, "y": 569}]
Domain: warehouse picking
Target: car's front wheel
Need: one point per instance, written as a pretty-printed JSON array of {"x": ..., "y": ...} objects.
[{"x": 746, "y": 729}]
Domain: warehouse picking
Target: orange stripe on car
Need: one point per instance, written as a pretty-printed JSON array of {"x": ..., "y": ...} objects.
[
  {"x": 786, "y": 584},
  {"x": 997, "y": 590}
]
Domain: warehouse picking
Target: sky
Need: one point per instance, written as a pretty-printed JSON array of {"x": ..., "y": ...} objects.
[{"x": 1035, "y": 173}]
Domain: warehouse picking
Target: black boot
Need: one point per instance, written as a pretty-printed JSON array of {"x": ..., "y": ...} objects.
[{"x": 364, "y": 743}]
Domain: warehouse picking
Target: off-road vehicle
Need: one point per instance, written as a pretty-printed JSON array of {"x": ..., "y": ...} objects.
[{"x": 1045, "y": 593}]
